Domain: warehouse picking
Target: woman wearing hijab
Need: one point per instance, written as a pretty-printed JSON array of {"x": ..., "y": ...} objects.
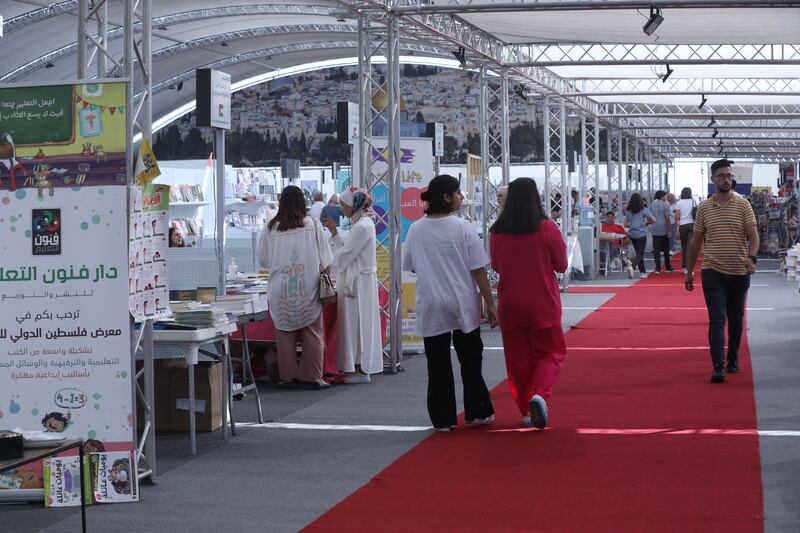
[
  {"x": 527, "y": 249},
  {"x": 358, "y": 334},
  {"x": 450, "y": 262}
]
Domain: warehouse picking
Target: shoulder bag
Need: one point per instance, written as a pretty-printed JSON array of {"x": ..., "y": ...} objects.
[
  {"x": 327, "y": 290},
  {"x": 694, "y": 210}
]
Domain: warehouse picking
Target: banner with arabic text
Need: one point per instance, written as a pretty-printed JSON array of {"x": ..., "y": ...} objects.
[{"x": 65, "y": 342}]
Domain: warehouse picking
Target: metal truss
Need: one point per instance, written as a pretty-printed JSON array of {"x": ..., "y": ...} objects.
[
  {"x": 620, "y": 55},
  {"x": 38, "y": 15},
  {"x": 556, "y": 186},
  {"x": 687, "y": 86},
  {"x": 93, "y": 45},
  {"x": 181, "y": 46},
  {"x": 274, "y": 51},
  {"x": 494, "y": 145},
  {"x": 381, "y": 37},
  {"x": 719, "y": 112},
  {"x": 590, "y": 179},
  {"x": 504, "y": 6},
  {"x": 614, "y": 171}
]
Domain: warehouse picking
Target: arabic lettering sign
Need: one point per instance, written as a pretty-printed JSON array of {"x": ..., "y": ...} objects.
[{"x": 65, "y": 354}]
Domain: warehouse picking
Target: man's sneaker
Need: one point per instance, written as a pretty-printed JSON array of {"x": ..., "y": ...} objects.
[
  {"x": 481, "y": 421},
  {"x": 630, "y": 271},
  {"x": 643, "y": 275},
  {"x": 538, "y": 411},
  {"x": 670, "y": 269},
  {"x": 656, "y": 271},
  {"x": 685, "y": 271},
  {"x": 718, "y": 376},
  {"x": 732, "y": 368},
  {"x": 527, "y": 422}
]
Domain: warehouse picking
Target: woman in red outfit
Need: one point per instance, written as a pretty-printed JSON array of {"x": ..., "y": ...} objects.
[{"x": 526, "y": 249}]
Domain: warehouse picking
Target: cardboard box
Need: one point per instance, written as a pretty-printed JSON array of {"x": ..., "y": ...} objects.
[
  {"x": 208, "y": 398},
  {"x": 162, "y": 374}
]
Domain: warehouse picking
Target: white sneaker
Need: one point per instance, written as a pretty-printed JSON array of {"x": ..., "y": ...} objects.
[
  {"x": 352, "y": 379},
  {"x": 615, "y": 263},
  {"x": 538, "y": 411},
  {"x": 685, "y": 271},
  {"x": 630, "y": 271},
  {"x": 481, "y": 421},
  {"x": 643, "y": 275},
  {"x": 527, "y": 422}
]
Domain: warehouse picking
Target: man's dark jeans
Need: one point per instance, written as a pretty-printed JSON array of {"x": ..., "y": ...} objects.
[{"x": 725, "y": 298}]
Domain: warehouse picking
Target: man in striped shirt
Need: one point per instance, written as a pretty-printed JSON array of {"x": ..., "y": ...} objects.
[{"x": 725, "y": 227}]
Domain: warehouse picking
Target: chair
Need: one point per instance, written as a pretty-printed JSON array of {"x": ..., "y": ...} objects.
[{"x": 607, "y": 256}]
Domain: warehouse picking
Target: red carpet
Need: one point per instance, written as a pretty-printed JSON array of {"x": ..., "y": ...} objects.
[{"x": 639, "y": 441}]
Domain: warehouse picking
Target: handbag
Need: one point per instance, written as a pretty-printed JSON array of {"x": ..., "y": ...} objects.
[
  {"x": 327, "y": 290},
  {"x": 694, "y": 210}
]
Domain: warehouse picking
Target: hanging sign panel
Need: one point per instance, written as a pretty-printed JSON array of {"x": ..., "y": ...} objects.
[{"x": 65, "y": 357}]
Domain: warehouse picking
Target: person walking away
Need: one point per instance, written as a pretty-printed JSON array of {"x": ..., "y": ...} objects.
[
  {"x": 660, "y": 231},
  {"x": 637, "y": 218},
  {"x": 684, "y": 218},
  {"x": 332, "y": 211},
  {"x": 358, "y": 334},
  {"x": 526, "y": 251},
  {"x": 672, "y": 200},
  {"x": 316, "y": 208},
  {"x": 450, "y": 262},
  {"x": 617, "y": 239},
  {"x": 294, "y": 249},
  {"x": 725, "y": 228}
]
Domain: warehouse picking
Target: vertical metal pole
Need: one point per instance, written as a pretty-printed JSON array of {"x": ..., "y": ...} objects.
[
  {"x": 360, "y": 178},
  {"x": 546, "y": 124},
  {"x": 637, "y": 170},
  {"x": 505, "y": 151},
  {"x": 102, "y": 38},
  {"x": 395, "y": 230},
  {"x": 661, "y": 184},
  {"x": 623, "y": 173},
  {"x": 147, "y": 70},
  {"x": 566, "y": 212},
  {"x": 597, "y": 214},
  {"x": 149, "y": 395},
  {"x": 219, "y": 239},
  {"x": 485, "y": 163},
  {"x": 82, "y": 46}
]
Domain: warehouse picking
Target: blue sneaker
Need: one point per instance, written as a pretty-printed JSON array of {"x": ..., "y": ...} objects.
[{"x": 538, "y": 411}]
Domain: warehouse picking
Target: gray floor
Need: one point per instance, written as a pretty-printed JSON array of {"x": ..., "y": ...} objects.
[{"x": 271, "y": 479}]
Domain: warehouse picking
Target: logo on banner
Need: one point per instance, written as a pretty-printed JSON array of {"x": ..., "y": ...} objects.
[
  {"x": 46, "y": 231},
  {"x": 406, "y": 155}
]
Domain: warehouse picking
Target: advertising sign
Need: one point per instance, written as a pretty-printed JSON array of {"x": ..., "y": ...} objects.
[
  {"x": 213, "y": 98},
  {"x": 65, "y": 344}
]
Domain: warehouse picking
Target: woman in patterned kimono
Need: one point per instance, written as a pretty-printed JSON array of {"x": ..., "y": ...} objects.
[{"x": 294, "y": 248}]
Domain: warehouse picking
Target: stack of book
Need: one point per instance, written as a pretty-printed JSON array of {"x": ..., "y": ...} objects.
[
  {"x": 202, "y": 316},
  {"x": 242, "y": 303},
  {"x": 190, "y": 227}
]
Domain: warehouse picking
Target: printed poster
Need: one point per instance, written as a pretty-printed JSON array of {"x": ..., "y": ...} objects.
[
  {"x": 114, "y": 477},
  {"x": 148, "y": 294},
  {"x": 416, "y": 171},
  {"x": 62, "y": 482},
  {"x": 65, "y": 341}
]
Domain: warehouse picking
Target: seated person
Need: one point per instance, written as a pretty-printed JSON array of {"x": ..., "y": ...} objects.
[{"x": 617, "y": 239}]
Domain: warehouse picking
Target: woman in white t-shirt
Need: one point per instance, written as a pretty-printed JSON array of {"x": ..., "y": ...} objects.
[
  {"x": 684, "y": 218},
  {"x": 448, "y": 258},
  {"x": 293, "y": 247}
]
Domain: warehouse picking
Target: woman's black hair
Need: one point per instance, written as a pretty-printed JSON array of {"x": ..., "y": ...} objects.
[
  {"x": 686, "y": 193},
  {"x": 434, "y": 196},
  {"x": 659, "y": 195},
  {"x": 291, "y": 210},
  {"x": 635, "y": 204},
  {"x": 523, "y": 209}
]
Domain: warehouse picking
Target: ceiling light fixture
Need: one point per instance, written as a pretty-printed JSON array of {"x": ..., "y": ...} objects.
[
  {"x": 49, "y": 65},
  {"x": 340, "y": 14},
  {"x": 223, "y": 43},
  {"x": 666, "y": 76},
  {"x": 461, "y": 56},
  {"x": 703, "y": 101},
  {"x": 714, "y": 135},
  {"x": 654, "y": 21},
  {"x": 713, "y": 122}
]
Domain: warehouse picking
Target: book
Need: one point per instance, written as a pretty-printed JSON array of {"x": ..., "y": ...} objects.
[
  {"x": 114, "y": 477},
  {"x": 62, "y": 482}
]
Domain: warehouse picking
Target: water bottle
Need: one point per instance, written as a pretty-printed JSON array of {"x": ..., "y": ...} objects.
[{"x": 233, "y": 270}]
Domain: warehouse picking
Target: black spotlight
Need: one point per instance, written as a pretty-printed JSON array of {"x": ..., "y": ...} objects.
[
  {"x": 714, "y": 135},
  {"x": 179, "y": 86},
  {"x": 703, "y": 101},
  {"x": 713, "y": 121},
  {"x": 519, "y": 90},
  {"x": 654, "y": 22},
  {"x": 666, "y": 76},
  {"x": 461, "y": 56}
]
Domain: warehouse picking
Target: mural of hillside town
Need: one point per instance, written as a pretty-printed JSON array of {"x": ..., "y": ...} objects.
[{"x": 295, "y": 117}]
